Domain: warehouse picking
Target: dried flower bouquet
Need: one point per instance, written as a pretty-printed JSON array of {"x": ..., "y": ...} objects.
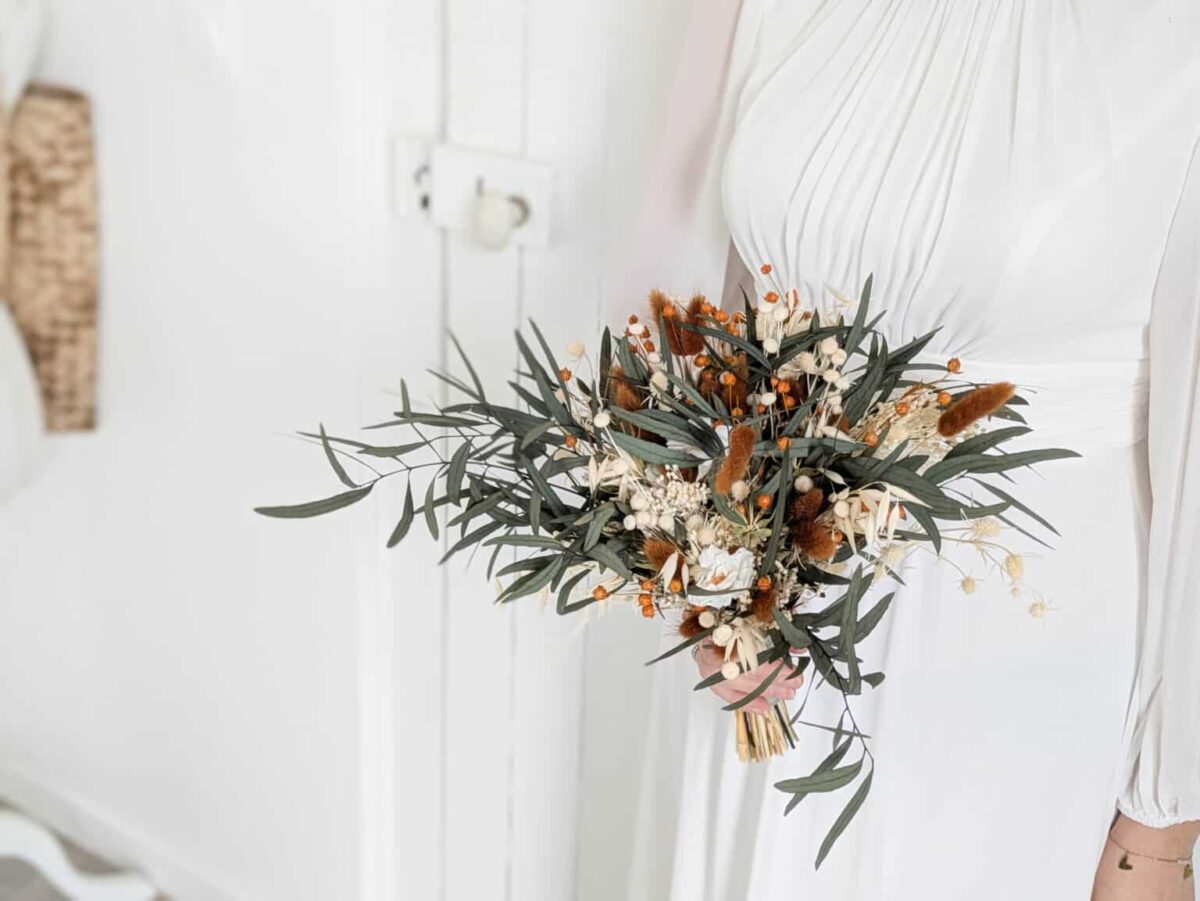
[{"x": 744, "y": 476}]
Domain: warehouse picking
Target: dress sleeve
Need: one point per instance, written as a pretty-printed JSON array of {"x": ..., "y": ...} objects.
[
  {"x": 680, "y": 242},
  {"x": 1162, "y": 773}
]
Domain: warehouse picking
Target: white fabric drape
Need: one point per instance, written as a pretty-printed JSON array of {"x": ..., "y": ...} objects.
[
  {"x": 681, "y": 244},
  {"x": 1163, "y": 784}
]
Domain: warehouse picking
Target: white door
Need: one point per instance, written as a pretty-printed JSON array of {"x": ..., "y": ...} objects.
[{"x": 485, "y": 718}]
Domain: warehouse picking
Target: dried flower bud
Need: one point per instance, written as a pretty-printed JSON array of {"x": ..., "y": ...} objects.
[{"x": 967, "y": 585}]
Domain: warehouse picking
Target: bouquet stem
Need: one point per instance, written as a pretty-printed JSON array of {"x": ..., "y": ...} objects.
[{"x": 762, "y": 737}]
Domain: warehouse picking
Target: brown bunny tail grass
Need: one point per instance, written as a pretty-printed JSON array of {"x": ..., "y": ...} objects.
[
  {"x": 690, "y": 626},
  {"x": 806, "y": 507},
  {"x": 816, "y": 540},
  {"x": 680, "y": 341},
  {"x": 763, "y": 606},
  {"x": 973, "y": 406},
  {"x": 623, "y": 394},
  {"x": 658, "y": 552},
  {"x": 741, "y": 447}
]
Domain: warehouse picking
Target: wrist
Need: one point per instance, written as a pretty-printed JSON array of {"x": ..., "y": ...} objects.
[{"x": 1175, "y": 842}]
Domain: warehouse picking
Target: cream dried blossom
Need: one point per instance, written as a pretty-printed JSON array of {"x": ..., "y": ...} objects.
[
  {"x": 1014, "y": 567},
  {"x": 967, "y": 584}
]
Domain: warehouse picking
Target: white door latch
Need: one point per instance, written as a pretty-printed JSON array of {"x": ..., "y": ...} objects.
[{"x": 496, "y": 200}]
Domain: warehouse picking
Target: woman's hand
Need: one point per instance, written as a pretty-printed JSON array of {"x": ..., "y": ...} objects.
[
  {"x": 1147, "y": 880},
  {"x": 710, "y": 659}
]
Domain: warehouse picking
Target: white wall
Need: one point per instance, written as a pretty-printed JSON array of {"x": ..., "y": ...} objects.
[{"x": 212, "y": 694}]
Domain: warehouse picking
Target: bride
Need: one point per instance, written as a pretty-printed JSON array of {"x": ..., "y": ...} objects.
[{"x": 1026, "y": 175}]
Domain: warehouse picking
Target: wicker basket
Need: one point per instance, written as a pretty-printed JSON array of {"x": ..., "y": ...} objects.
[{"x": 52, "y": 252}]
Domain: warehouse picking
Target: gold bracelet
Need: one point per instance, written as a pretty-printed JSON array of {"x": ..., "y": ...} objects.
[{"x": 1124, "y": 863}]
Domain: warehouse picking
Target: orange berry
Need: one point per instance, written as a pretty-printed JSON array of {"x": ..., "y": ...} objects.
[
  {"x": 763, "y": 501},
  {"x": 766, "y": 269},
  {"x": 870, "y": 439},
  {"x": 676, "y": 586},
  {"x": 599, "y": 593},
  {"x": 784, "y": 443},
  {"x": 760, "y": 409},
  {"x": 732, "y": 328},
  {"x": 632, "y": 319},
  {"x": 722, "y": 316},
  {"x": 647, "y": 584},
  {"x": 648, "y": 612},
  {"x": 564, "y": 374},
  {"x": 764, "y": 583},
  {"x": 728, "y": 378},
  {"x": 955, "y": 365},
  {"x": 784, "y": 386},
  {"x": 707, "y": 308},
  {"x": 902, "y": 408},
  {"x": 944, "y": 398},
  {"x": 771, "y": 297},
  {"x": 702, "y": 360},
  {"x": 648, "y": 346},
  {"x": 571, "y": 442},
  {"x": 737, "y": 412},
  {"x": 646, "y": 600},
  {"x": 788, "y": 401}
]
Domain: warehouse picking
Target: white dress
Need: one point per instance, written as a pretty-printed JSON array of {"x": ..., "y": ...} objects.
[{"x": 1026, "y": 176}]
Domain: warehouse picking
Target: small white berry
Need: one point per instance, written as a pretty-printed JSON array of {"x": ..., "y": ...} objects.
[
  {"x": 695, "y": 521},
  {"x": 768, "y": 399},
  {"x": 831, "y": 375},
  {"x": 644, "y": 519},
  {"x": 838, "y": 357},
  {"x": 843, "y": 383},
  {"x": 666, "y": 522},
  {"x": 603, "y": 420},
  {"x": 771, "y": 345},
  {"x": 630, "y": 522},
  {"x": 731, "y": 670},
  {"x": 639, "y": 502},
  {"x": 803, "y": 484},
  {"x": 707, "y": 620},
  {"x": 780, "y": 313},
  {"x": 828, "y": 345}
]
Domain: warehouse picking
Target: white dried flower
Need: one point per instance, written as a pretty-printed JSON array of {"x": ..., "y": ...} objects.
[
  {"x": 1039, "y": 609},
  {"x": 780, "y": 313},
  {"x": 731, "y": 670},
  {"x": 666, "y": 522},
  {"x": 803, "y": 484},
  {"x": 603, "y": 420},
  {"x": 843, "y": 383},
  {"x": 655, "y": 357},
  {"x": 838, "y": 357},
  {"x": 828, "y": 345},
  {"x": 630, "y": 522},
  {"x": 707, "y": 619},
  {"x": 807, "y": 363},
  {"x": 768, "y": 399},
  {"x": 639, "y": 502},
  {"x": 967, "y": 585},
  {"x": 706, "y": 536},
  {"x": 722, "y": 635},
  {"x": 892, "y": 555},
  {"x": 575, "y": 349},
  {"x": 659, "y": 381},
  {"x": 739, "y": 490},
  {"x": 644, "y": 519},
  {"x": 730, "y": 574},
  {"x": 831, "y": 375},
  {"x": 694, "y": 522},
  {"x": 985, "y": 528},
  {"x": 771, "y": 345},
  {"x": 841, "y": 509}
]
